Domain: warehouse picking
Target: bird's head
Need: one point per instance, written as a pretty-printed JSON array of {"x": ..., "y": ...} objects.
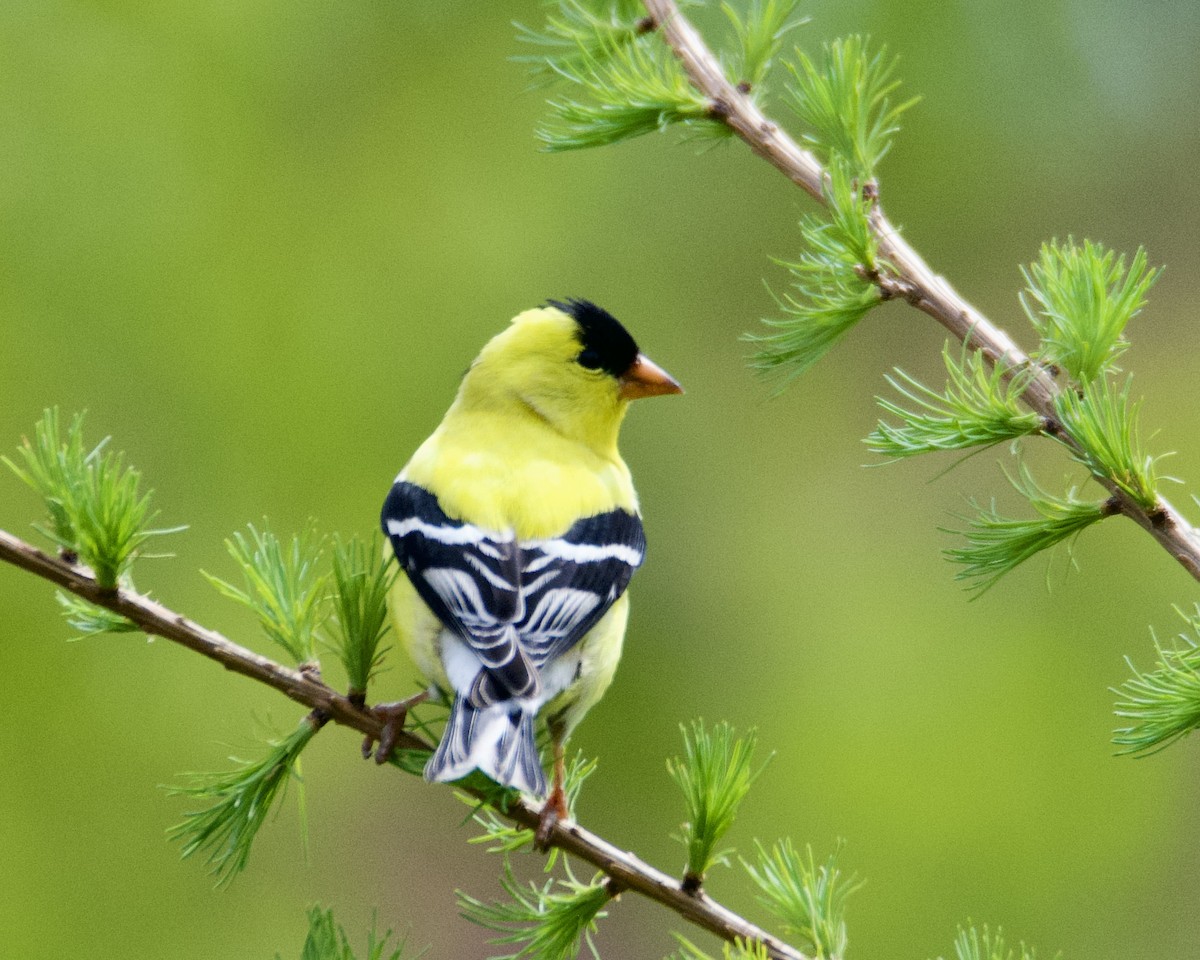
[{"x": 573, "y": 365}]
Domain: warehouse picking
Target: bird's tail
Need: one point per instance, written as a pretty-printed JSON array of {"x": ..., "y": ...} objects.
[{"x": 497, "y": 740}]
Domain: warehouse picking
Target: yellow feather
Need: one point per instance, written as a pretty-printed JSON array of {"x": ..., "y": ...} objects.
[{"x": 600, "y": 651}]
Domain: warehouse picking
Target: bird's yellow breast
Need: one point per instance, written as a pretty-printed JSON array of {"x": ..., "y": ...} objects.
[{"x": 513, "y": 473}]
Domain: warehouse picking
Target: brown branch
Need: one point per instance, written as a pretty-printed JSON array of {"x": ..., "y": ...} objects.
[
  {"x": 921, "y": 287},
  {"x": 625, "y": 872}
]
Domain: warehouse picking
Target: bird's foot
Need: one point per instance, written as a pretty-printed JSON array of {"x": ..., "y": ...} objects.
[
  {"x": 393, "y": 716},
  {"x": 554, "y": 811}
]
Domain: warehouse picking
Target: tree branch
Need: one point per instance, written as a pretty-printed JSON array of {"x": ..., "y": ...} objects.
[
  {"x": 625, "y": 871},
  {"x": 912, "y": 280}
]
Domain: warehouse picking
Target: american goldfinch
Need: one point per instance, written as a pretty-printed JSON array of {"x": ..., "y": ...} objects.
[{"x": 516, "y": 526}]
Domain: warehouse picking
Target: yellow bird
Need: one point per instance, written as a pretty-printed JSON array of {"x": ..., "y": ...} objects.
[{"x": 516, "y": 525}]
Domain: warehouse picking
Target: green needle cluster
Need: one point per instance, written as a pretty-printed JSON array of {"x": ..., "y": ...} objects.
[
  {"x": 1102, "y": 420},
  {"x": 970, "y": 944},
  {"x": 979, "y": 407},
  {"x": 759, "y": 31},
  {"x": 996, "y": 544},
  {"x": 552, "y": 921},
  {"x": 237, "y": 803},
  {"x": 624, "y": 82},
  {"x": 575, "y": 33},
  {"x": 830, "y": 289},
  {"x": 1079, "y": 299},
  {"x": 326, "y": 940},
  {"x": 809, "y": 898},
  {"x": 1162, "y": 705},
  {"x": 97, "y": 510},
  {"x": 362, "y": 576},
  {"x": 88, "y": 619},
  {"x": 843, "y": 100},
  {"x": 714, "y": 775},
  {"x": 285, "y": 586},
  {"x": 738, "y": 950}
]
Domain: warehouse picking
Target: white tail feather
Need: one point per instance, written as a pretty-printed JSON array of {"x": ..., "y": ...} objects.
[{"x": 497, "y": 740}]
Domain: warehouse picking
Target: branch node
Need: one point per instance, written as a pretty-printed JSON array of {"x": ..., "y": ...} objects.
[
  {"x": 646, "y": 25},
  {"x": 318, "y": 717},
  {"x": 1052, "y": 428},
  {"x": 614, "y": 887},
  {"x": 718, "y": 109},
  {"x": 1112, "y": 506},
  {"x": 890, "y": 286},
  {"x": 692, "y": 884}
]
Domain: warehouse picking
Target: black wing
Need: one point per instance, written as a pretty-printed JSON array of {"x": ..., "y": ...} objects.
[{"x": 518, "y": 605}]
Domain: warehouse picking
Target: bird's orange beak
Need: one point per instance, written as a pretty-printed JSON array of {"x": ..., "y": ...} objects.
[{"x": 646, "y": 379}]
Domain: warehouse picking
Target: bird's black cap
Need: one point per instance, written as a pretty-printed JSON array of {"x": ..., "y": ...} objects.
[{"x": 606, "y": 344}]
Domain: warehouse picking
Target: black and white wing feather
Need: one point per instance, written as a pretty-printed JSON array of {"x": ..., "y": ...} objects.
[{"x": 517, "y": 604}]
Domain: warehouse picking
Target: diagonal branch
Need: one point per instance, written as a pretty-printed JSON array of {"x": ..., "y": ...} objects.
[
  {"x": 625, "y": 871},
  {"x": 911, "y": 278}
]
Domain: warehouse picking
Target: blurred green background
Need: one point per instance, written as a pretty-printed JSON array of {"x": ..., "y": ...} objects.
[{"x": 259, "y": 241}]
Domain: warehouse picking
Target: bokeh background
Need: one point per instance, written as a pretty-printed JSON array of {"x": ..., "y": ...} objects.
[{"x": 259, "y": 241}]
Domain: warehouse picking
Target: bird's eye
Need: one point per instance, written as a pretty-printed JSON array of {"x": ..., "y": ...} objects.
[{"x": 589, "y": 359}]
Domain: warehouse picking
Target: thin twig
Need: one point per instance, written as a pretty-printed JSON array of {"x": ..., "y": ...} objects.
[
  {"x": 924, "y": 289},
  {"x": 625, "y": 871}
]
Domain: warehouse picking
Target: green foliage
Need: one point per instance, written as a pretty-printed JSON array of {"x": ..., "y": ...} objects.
[
  {"x": 997, "y": 544},
  {"x": 410, "y": 760},
  {"x": 284, "y": 586},
  {"x": 504, "y": 837},
  {"x": 54, "y": 469},
  {"x": 1079, "y": 299},
  {"x": 549, "y": 922},
  {"x": 111, "y": 520},
  {"x": 759, "y": 32},
  {"x": 238, "y": 803},
  {"x": 738, "y": 950},
  {"x": 362, "y": 576},
  {"x": 627, "y": 81},
  {"x": 1163, "y": 704},
  {"x": 715, "y": 776},
  {"x": 326, "y": 940},
  {"x": 843, "y": 99},
  {"x": 1104, "y": 423},
  {"x": 978, "y": 408},
  {"x": 809, "y": 898},
  {"x": 830, "y": 290},
  {"x": 89, "y": 620},
  {"x": 97, "y": 510},
  {"x": 575, "y": 33},
  {"x": 970, "y": 944}
]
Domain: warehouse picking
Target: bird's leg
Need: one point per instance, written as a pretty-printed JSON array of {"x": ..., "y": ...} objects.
[
  {"x": 393, "y": 716},
  {"x": 555, "y": 808}
]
